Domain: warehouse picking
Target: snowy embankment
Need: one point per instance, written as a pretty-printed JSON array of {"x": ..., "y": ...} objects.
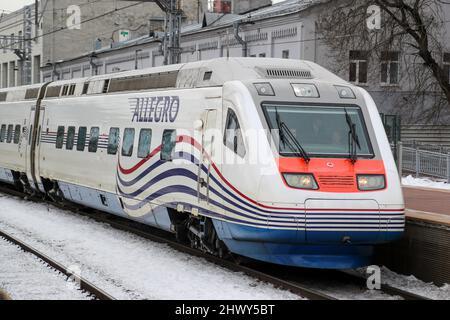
[
  {"x": 410, "y": 181},
  {"x": 23, "y": 276},
  {"x": 124, "y": 265}
]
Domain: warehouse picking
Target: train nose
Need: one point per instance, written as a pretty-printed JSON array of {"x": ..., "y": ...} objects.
[{"x": 348, "y": 222}]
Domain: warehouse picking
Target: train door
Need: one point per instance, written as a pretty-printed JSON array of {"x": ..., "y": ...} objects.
[
  {"x": 33, "y": 144},
  {"x": 208, "y": 154}
]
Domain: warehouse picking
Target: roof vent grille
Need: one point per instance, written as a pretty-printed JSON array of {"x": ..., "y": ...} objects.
[{"x": 288, "y": 73}]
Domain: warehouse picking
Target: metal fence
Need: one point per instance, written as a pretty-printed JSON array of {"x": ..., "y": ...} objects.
[{"x": 423, "y": 162}]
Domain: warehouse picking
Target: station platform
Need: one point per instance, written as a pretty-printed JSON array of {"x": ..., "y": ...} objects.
[
  {"x": 428, "y": 205},
  {"x": 424, "y": 251}
]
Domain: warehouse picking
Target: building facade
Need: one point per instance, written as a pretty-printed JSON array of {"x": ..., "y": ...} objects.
[{"x": 20, "y": 56}]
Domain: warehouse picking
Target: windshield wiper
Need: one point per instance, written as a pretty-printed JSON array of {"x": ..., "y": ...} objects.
[
  {"x": 353, "y": 139},
  {"x": 295, "y": 146}
]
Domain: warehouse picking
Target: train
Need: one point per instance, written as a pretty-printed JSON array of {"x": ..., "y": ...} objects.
[{"x": 275, "y": 160}]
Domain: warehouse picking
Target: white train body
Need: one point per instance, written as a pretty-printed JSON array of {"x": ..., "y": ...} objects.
[{"x": 206, "y": 156}]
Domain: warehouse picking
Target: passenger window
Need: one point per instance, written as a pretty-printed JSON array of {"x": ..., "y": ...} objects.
[
  {"x": 10, "y": 133},
  {"x": 3, "y": 133},
  {"x": 168, "y": 145},
  {"x": 81, "y": 141},
  {"x": 17, "y": 134},
  {"x": 60, "y": 137},
  {"x": 128, "y": 142},
  {"x": 70, "y": 138},
  {"x": 93, "y": 141},
  {"x": 113, "y": 143},
  {"x": 233, "y": 138},
  {"x": 145, "y": 139}
]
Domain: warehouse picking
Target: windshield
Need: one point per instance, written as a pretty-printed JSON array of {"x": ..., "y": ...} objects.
[{"x": 321, "y": 131}]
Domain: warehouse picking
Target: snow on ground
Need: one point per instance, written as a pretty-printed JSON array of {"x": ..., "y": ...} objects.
[
  {"x": 25, "y": 277},
  {"x": 124, "y": 265},
  {"x": 414, "y": 285},
  {"x": 410, "y": 181}
]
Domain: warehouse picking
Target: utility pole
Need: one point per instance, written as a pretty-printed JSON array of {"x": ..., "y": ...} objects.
[{"x": 172, "y": 29}]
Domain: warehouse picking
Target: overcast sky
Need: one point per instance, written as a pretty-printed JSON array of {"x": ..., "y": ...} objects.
[{"x": 12, "y": 5}]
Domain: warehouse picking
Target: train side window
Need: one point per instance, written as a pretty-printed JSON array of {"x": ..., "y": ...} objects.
[
  {"x": 113, "y": 142},
  {"x": 70, "y": 138},
  {"x": 81, "y": 141},
  {"x": 145, "y": 139},
  {"x": 93, "y": 140},
  {"x": 128, "y": 142},
  {"x": 17, "y": 134},
  {"x": 60, "y": 137},
  {"x": 10, "y": 133},
  {"x": 169, "y": 141},
  {"x": 3, "y": 133},
  {"x": 64, "y": 91},
  {"x": 233, "y": 138}
]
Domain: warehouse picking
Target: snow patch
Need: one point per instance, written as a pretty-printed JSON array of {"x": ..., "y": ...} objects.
[{"x": 424, "y": 182}]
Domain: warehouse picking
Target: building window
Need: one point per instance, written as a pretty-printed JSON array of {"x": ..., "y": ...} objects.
[
  {"x": 93, "y": 139},
  {"x": 70, "y": 138},
  {"x": 81, "y": 141},
  {"x": 128, "y": 142},
  {"x": 168, "y": 145},
  {"x": 285, "y": 54},
  {"x": 113, "y": 142},
  {"x": 145, "y": 139},
  {"x": 358, "y": 67},
  {"x": 17, "y": 134},
  {"x": 447, "y": 66},
  {"x": 233, "y": 138},
  {"x": 60, "y": 137},
  {"x": 390, "y": 67},
  {"x": 262, "y": 55}
]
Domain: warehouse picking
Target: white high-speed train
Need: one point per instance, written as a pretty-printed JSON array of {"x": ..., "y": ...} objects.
[{"x": 276, "y": 160}]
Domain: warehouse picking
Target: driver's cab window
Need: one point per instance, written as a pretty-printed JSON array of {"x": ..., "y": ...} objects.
[{"x": 233, "y": 138}]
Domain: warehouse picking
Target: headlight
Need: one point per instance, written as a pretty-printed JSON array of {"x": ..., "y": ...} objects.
[
  {"x": 345, "y": 92},
  {"x": 371, "y": 182},
  {"x": 305, "y": 90},
  {"x": 301, "y": 181},
  {"x": 264, "y": 89}
]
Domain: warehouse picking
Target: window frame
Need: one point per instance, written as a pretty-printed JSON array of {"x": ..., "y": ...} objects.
[
  {"x": 231, "y": 113},
  {"x": 387, "y": 61},
  {"x": 93, "y": 142},
  {"x": 81, "y": 147},
  {"x": 60, "y": 137},
  {"x": 367, "y": 135},
  {"x": 147, "y": 147},
  {"x": 163, "y": 156},
  {"x": 125, "y": 135},
  {"x": 9, "y": 133},
  {"x": 70, "y": 133},
  {"x": 16, "y": 138},
  {"x": 3, "y": 132},
  {"x": 358, "y": 59},
  {"x": 110, "y": 150}
]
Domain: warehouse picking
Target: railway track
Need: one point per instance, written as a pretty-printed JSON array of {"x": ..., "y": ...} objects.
[
  {"x": 277, "y": 276},
  {"x": 85, "y": 285}
]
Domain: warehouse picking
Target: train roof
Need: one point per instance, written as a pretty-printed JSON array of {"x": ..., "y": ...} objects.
[{"x": 208, "y": 73}]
